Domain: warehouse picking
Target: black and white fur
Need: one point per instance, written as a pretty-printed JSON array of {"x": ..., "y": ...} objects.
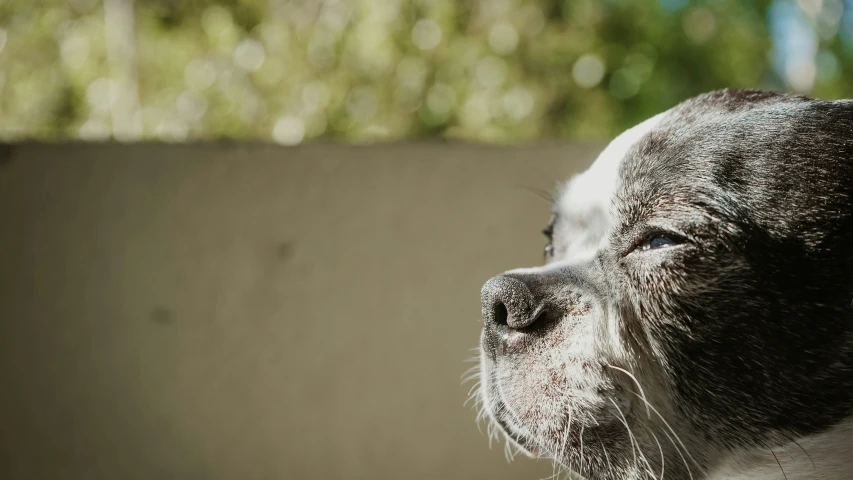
[{"x": 694, "y": 316}]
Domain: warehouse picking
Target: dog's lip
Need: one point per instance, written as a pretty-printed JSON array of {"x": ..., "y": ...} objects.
[
  {"x": 513, "y": 338},
  {"x": 527, "y": 447}
]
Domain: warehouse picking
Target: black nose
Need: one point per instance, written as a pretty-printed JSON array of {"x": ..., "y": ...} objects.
[{"x": 509, "y": 302}]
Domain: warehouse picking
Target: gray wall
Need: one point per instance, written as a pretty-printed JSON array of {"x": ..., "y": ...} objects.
[{"x": 254, "y": 312}]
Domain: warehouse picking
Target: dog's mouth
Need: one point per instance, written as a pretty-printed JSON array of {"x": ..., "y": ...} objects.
[
  {"x": 525, "y": 445},
  {"x": 544, "y": 415}
]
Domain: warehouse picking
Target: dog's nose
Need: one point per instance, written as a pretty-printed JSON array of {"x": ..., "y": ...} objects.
[{"x": 509, "y": 302}]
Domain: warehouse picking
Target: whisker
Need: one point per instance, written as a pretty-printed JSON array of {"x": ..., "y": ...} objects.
[
  {"x": 567, "y": 438},
  {"x": 475, "y": 370},
  {"x": 662, "y": 459},
  {"x": 474, "y": 387},
  {"x": 606, "y": 455},
  {"x": 678, "y": 450},
  {"x": 510, "y": 455},
  {"x": 556, "y": 470},
  {"x": 580, "y": 469},
  {"x": 634, "y": 443},
  {"x": 777, "y": 463},
  {"x": 801, "y": 448},
  {"x": 626, "y": 372},
  {"x": 686, "y": 451},
  {"x": 472, "y": 398},
  {"x": 538, "y": 192},
  {"x": 630, "y": 434}
]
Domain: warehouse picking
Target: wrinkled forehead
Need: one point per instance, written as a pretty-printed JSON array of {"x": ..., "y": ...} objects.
[{"x": 583, "y": 205}]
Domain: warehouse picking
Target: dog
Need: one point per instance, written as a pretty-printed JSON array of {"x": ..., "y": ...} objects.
[{"x": 693, "y": 318}]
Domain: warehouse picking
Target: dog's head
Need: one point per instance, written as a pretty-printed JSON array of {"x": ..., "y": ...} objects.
[{"x": 695, "y": 300}]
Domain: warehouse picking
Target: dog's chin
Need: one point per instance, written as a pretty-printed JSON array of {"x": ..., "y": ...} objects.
[
  {"x": 573, "y": 428},
  {"x": 522, "y": 443},
  {"x": 583, "y": 448},
  {"x": 537, "y": 436}
]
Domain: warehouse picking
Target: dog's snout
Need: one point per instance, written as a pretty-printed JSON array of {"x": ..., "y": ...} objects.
[{"x": 509, "y": 302}]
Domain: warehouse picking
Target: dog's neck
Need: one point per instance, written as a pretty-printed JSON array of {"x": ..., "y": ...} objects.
[{"x": 826, "y": 456}]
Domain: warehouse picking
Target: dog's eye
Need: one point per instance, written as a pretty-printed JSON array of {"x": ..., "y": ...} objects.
[{"x": 659, "y": 240}]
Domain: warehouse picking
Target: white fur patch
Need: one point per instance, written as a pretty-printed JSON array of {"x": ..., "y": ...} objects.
[{"x": 584, "y": 203}]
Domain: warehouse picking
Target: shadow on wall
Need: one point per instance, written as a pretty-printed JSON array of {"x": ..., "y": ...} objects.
[{"x": 256, "y": 312}]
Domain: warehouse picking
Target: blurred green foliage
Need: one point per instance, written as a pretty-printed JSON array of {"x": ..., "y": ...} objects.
[{"x": 367, "y": 70}]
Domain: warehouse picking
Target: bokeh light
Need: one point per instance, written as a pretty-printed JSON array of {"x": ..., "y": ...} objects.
[{"x": 292, "y": 71}]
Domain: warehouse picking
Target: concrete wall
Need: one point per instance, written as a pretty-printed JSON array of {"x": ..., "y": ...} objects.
[{"x": 254, "y": 312}]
